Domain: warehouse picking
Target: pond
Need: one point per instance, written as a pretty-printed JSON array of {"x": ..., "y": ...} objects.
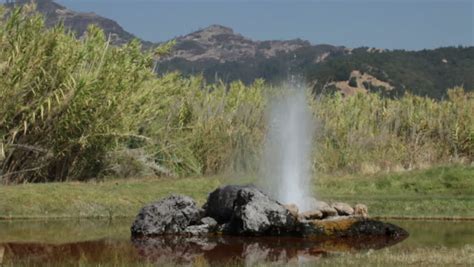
[{"x": 97, "y": 242}]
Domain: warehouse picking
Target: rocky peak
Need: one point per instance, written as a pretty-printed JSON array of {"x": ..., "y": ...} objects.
[
  {"x": 217, "y": 42},
  {"x": 216, "y": 29}
]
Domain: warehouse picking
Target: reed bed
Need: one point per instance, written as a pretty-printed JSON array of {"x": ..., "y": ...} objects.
[{"x": 368, "y": 133}]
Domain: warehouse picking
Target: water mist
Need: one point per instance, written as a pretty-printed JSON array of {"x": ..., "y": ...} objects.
[{"x": 288, "y": 148}]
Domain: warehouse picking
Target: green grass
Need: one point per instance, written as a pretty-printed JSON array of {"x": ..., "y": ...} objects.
[
  {"x": 437, "y": 192},
  {"x": 121, "y": 198}
]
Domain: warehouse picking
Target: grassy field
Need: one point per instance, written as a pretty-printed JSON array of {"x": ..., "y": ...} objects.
[{"x": 438, "y": 192}]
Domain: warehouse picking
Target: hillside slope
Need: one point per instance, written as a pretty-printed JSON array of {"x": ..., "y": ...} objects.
[
  {"x": 219, "y": 53},
  {"x": 426, "y": 73}
]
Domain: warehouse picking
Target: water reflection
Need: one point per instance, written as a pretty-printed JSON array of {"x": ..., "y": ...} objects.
[
  {"x": 188, "y": 250},
  {"x": 249, "y": 250},
  {"x": 61, "y": 243}
]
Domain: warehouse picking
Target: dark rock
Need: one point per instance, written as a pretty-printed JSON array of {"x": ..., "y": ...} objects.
[
  {"x": 348, "y": 227},
  {"x": 256, "y": 214},
  {"x": 209, "y": 221},
  {"x": 168, "y": 216},
  {"x": 220, "y": 203},
  {"x": 196, "y": 230},
  {"x": 206, "y": 225},
  {"x": 369, "y": 227}
]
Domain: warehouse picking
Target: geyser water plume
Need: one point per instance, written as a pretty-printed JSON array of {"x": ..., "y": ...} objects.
[{"x": 288, "y": 148}]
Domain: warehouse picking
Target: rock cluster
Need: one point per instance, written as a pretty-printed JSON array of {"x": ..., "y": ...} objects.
[
  {"x": 322, "y": 210},
  {"x": 246, "y": 210}
]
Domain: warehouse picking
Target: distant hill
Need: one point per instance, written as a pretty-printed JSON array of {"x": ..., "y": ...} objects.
[
  {"x": 425, "y": 73},
  {"x": 79, "y": 21},
  {"x": 221, "y": 54}
]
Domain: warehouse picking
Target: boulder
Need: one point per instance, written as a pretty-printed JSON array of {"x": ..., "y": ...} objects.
[
  {"x": 311, "y": 215},
  {"x": 170, "y": 215},
  {"x": 256, "y": 214},
  {"x": 361, "y": 210},
  {"x": 343, "y": 209},
  {"x": 206, "y": 226},
  {"x": 293, "y": 209},
  {"x": 209, "y": 221},
  {"x": 220, "y": 202},
  {"x": 322, "y": 206}
]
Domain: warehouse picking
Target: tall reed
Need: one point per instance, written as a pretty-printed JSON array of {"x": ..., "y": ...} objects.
[
  {"x": 370, "y": 133},
  {"x": 80, "y": 108},
  {"x": 63, "y": 99}
]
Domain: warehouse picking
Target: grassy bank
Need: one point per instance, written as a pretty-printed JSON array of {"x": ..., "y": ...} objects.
[{"x": 438, "y": 192}]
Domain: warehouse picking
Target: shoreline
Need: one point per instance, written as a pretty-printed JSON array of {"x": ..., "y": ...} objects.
[{"x": 124, "y": 217}]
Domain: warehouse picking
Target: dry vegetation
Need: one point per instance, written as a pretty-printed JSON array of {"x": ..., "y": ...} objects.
[{"x": 80, "y": 109}]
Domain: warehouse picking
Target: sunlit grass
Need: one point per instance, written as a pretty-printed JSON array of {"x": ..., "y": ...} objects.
[{"x": 438, "y": 192}]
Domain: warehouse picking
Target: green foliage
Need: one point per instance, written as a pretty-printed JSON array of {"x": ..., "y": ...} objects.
[
  {"x": 80, "y": 109},
  {"x": 196, "y": 128},
  {"x": 370, "y": 133},
  {"x": 63, "y": 100}
]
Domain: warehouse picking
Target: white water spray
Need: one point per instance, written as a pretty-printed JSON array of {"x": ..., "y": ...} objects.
[{"x": 288, "y": 148}]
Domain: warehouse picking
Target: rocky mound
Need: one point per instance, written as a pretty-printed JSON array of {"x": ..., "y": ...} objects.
[{"x": 247, "y": 211}]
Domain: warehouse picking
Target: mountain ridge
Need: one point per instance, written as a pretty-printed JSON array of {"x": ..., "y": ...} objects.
[{"x": 219, "y": 53}]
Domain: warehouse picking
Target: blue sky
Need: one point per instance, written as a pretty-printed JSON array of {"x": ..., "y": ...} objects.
[{"x": 402, "y": 24}]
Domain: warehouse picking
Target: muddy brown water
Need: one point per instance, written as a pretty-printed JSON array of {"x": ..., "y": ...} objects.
[{"x": 108, "y": 242}]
